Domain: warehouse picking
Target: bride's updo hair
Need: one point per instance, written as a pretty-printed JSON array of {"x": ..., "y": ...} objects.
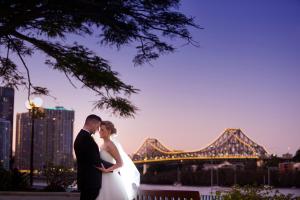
[{"x": 110, "y": 126}]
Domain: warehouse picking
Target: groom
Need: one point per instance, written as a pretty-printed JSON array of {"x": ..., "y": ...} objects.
[{"x": 89, "y": 178}]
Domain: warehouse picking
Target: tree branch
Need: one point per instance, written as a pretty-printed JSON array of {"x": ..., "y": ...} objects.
[{"x": 24, "y": 64}]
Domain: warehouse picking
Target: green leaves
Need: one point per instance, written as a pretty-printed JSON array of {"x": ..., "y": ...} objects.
[
  {"x": 25, "y": 25},
  {"x": 117, "y": 105},
  {"x": 11, "y": 77}
]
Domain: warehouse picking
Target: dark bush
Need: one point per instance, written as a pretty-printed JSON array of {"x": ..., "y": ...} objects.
[
  {"x": 13, "y": 180},
  {"x": 254, "y": 193},
  {"x": 58, "y": 178}
]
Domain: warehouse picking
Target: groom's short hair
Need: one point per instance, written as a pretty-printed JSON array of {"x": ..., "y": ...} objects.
[{"x": 91, "y": 118}]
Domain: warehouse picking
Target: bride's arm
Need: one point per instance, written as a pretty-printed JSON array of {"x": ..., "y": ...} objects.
[{"x": 112, "y": 149}]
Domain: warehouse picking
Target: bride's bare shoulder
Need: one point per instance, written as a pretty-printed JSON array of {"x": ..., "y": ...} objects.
[{"x": 111, "y": 145}]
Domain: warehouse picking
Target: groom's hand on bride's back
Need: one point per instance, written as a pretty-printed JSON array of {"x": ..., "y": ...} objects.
[
  {"x": 103, "y": 169},
  {"x": 105, "y": 164}
]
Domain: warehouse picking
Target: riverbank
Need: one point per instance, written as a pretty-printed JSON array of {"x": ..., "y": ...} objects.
[
  {"x": 211, "y": 190},
  {"x": 12, "y": 195}
]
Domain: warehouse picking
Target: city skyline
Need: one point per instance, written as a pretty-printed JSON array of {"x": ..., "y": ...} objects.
[
  {"x": 53, "y": 139},
  {"x": 245, "y": 74}
]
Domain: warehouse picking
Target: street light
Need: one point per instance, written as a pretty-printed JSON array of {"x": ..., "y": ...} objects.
[
  {"x": 33, "y": 106},
  {"x": 36, "y": 102}
]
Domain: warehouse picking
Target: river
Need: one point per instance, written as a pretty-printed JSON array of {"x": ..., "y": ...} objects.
[
  {"x": 202, "y": 190},
  {"x": 211, "y": 190}
]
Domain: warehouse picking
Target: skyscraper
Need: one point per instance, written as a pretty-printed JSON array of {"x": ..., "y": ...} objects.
[
  {"x": 4, "y": 143},
  {"x": 53, "y": 139},
  {"x": 7, "y": 114}
]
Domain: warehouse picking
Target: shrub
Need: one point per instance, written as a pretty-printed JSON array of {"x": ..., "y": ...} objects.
[
  {"x": 254, "y": 193},
  {"x": 13, "y": 180},
  {"x": 58, "y": 178}
]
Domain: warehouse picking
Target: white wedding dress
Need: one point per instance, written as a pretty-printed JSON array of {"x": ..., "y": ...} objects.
[{"x": 121, "y": 184}]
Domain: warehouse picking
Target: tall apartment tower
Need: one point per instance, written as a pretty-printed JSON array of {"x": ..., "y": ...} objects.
[
  {"x": 53, "y": 139},
  {"x": 4, "y": 143},
  {"x": 6, "y": 116}
]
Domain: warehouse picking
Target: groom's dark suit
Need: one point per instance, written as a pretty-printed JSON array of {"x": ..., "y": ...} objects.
[{"x": 88, "y": 177}]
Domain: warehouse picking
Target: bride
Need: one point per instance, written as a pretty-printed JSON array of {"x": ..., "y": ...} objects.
[{"x": 120, "y": 181}]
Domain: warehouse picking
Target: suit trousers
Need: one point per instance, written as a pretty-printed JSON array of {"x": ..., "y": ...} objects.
[{"x": 89, "y": 193}]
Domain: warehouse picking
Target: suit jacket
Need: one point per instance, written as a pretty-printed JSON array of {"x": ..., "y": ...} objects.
[{"x": 88, "y": 156}]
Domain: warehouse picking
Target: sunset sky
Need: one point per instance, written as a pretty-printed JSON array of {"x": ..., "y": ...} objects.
[{"x": 245, "y": 74}]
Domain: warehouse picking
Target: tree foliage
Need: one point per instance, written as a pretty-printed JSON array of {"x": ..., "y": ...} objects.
[
  {"x": 27, "y": 26},
  {"x": 254, "y": 193},
  {"x": 13, "y": 180},
  {"x": 296, "y": 157},
  {"x": 58, "y": 178}
]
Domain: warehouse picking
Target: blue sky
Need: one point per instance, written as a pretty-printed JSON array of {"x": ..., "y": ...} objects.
[{"x": 245, "y": 74}]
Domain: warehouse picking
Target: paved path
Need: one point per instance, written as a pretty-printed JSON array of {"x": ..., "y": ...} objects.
[{"x": 38, "y": 196}]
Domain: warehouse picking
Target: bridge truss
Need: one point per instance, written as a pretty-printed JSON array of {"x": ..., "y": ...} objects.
[{"x": 232, "y": 144}]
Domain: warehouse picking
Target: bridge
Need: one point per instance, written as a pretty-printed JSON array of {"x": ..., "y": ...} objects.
[{"x": 232, "y": 144}]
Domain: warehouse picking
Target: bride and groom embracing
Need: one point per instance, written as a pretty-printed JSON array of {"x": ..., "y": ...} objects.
[{"x": 108, "y": 173}]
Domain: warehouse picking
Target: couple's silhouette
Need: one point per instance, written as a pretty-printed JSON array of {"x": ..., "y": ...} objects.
[{"x": 108, "y": 173}]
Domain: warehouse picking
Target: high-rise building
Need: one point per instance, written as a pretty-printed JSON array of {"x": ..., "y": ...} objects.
[
  {"x": 5, "y": 143},
  {"x": 7, "y": 113},
  {"x": 53, "y": 139}
]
